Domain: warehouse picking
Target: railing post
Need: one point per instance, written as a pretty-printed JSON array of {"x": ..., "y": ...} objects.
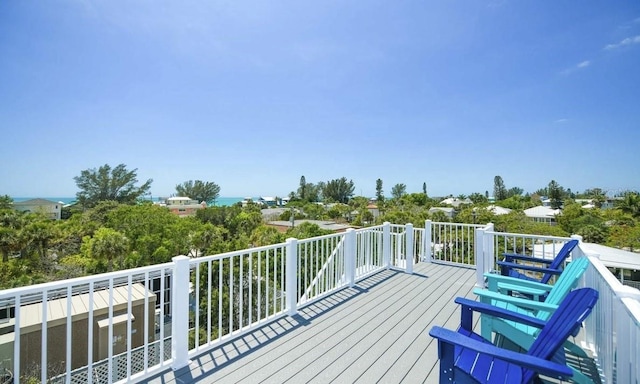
[
  {"x": 489, "y": 245},
  {"x": 180, "y": 313},
  {"x": 427, "y": 242},
  {"x": 579, "y": 238},
  {"x": 409, "y": 253},
  {"x": 292, "y": 273},
  {"x": 350, "y": 256},
  {"x": 478, "y": 248},
  {"x": 386, "y": 244}
]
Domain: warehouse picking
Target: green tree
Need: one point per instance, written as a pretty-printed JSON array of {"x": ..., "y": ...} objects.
[
  {"x": 555, "y": 194},
  {"x": 40, "y": 233},
  {"x": 515, "y": 191},
  {"x": 398, "y": 190},
  {"x": 424, "y": 188},
  {"x": 379, "y": 192},
  {"x": 338, "y": 190},
  {"x": 108, "y": 244},
  {"x": 303, "y": 188},
  {"x": 597, "y": 196},
  {"x": 499, "y": 190},
  {"x": 630, "y": 204},
  {"x": 105, "y": 183},
  {"x": 11, "y": 226},
  {"x": 478, "y": 198},
  {"x": 6, "y": 202},
  {"x": 199, "y": 190}
]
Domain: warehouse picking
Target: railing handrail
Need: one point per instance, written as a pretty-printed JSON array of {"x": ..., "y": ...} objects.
[
  {"x": 83, "y": 280},
  {"x": 227, "y": 255},
  {"x": 559, "y": 238}
]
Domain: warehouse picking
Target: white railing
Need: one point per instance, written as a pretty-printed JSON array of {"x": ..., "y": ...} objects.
[
  {"x": 321, "y": 265},
  {"x": 612, "y": 332},
  {"x": 402, "y": 247},
  {"x": 370, "y": 250},
  {"x": 449, "y": 243},
  {"x": 234, "y": 292},
  {"x": 129, "y": 325},
  {"x": 80, "y": 328},
  {"x": 491, "y": 245}
]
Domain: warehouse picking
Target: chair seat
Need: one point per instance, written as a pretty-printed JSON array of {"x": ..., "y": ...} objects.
[{"x": 485, "y": 368}]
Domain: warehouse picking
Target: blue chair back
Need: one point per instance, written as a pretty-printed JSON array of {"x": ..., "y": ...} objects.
[{"x": 573, "y": 310}]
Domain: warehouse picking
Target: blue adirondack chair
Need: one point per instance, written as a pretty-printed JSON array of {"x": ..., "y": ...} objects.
[
  {"x": 532, "y": 289},
  {"x": 512, "y": 263},
  {"x": 465, "y": 357},
  {"x": 521, "y": 334}
]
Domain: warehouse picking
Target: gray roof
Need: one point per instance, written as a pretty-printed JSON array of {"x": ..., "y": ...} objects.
[{"x": 614, "y": 257}]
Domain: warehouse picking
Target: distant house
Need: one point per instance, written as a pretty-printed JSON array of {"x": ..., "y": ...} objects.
[
  {"x": 450, "y": 212},
  {"x": 283, "y": 226},
  {"x": 106, "y": 332},
  {"x": 497, "y": 210},
  {"x": 455, "y": 202},
  {"x": 184, "y": 206},
  {"x": 269, "y": 201},
  {"x": 375, "y": 211},
  {"x": 542, "y": 214},
  {"x": 49, "y": 208}
]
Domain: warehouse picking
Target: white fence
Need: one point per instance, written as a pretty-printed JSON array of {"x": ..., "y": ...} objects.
[
  {"x": 612, "y": 332},
  {"x": 128, "y": 325}
]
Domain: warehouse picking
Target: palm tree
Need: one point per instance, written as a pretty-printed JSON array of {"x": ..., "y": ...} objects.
[
  {"x": 109, "y": 244},
  {"x": 630, "y": 204}
]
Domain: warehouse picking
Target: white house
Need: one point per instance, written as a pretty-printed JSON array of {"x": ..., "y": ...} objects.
[
  {"x": 542, "y": 214},
  {"x": 49, "y": 208},
  {"x": 455, "y": 202},
  {"x": 497, "y": 210}
]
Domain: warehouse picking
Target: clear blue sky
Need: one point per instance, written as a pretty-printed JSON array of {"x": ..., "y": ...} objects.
[{"x": 254, "y": 94}]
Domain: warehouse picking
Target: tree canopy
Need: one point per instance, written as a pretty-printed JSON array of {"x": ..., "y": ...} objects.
[
  {"x": 106, "y": 183},
  {"x": 339, "y": 190},
  {"x": 398, "y": 190},
  {"x": 199, "y": 190}
]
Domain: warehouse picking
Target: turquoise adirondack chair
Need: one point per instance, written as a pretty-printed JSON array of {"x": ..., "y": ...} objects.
[
  {"x": 513, "y": 262},
  {"x": 524, "y": 335},
  {"x": 465, "y": 357}
]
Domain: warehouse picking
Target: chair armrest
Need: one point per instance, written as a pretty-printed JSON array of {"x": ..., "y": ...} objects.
[
  {"x": 536, "y": 364},
  {"x": 508, "y": 265},
  {"x": 470, "y": 306},
  {"x": 485, "y": 295},
  {"x": 510, "y": 257},
  {"x": 496, "y": 281}
]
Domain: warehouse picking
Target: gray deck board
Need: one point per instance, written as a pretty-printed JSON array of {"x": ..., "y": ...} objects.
[{"x": 376, "y": 331}]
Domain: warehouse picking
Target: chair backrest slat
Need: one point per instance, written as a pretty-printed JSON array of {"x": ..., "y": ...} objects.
[
  {"x": 560, "y": 258},
  {"x": 573, "y": 310}
]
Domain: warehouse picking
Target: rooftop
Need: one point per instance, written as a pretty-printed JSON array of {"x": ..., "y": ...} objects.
[{"x": 344, "y": 307}]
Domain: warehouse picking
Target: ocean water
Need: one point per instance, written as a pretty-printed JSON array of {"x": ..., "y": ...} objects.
[{"x": 222, "y": 201}]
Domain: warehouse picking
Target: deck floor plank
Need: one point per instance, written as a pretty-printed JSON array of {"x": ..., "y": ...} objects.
[{"x": 376, "y": 331}]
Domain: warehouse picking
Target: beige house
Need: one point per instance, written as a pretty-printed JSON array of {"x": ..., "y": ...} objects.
[
  {"x": 31, "y": 327},
  {"x": 49, "y": 208},
  {"x": 184, "y": 206}
]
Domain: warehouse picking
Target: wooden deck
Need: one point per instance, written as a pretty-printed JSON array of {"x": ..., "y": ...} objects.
[{"x": 376, "y": 331}]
